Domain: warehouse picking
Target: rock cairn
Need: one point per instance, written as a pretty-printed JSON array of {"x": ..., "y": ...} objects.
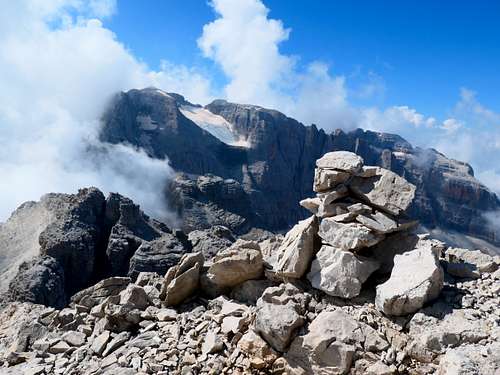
[{"x": 299, "y": 304}]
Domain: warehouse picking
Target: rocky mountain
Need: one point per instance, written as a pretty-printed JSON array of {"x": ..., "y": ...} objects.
[
  {"x": 53, "y": 248},
  {"x": 244, "y": 166},
  {"x": 349, "y": 290}
]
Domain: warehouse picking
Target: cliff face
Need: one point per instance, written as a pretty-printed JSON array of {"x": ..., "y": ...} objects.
[{"x": 271, "y": 166}]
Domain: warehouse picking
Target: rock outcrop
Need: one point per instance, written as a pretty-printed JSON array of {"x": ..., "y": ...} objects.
[
  {"x": 417, "y": 277},
  {"x": 56, "y": 247}
]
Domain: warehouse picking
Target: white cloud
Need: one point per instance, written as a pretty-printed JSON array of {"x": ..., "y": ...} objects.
[
  {"x": 245, "y": 42},
  {"x": 60, "y": 67}
]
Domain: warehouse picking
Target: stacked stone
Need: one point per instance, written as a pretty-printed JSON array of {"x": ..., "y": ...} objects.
[{"x": 355, "y": 208}]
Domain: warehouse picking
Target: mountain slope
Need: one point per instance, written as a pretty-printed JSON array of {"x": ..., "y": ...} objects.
[{"x": 262, "y": 182}]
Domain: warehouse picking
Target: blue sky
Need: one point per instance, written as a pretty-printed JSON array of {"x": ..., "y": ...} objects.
[{"x": 421, "y": 52}]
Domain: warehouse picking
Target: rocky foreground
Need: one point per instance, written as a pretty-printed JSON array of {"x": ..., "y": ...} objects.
[{"x": 350, "y": 290}]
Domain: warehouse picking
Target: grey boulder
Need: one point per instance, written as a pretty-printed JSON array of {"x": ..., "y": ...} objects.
[
  {"x": 385, "y": 190},
  {"x": 350, "y": 236},
  {"x": 297, "y": 249},
  {"x": 341, "y": 160},
  {"x": 339, "y": 272},
  {"x": 416, "y": 278},
  {"x": 280, "y": 312},
  {"x": 182, "y": 280}
]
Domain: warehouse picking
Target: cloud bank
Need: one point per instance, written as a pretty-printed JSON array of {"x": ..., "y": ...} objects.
[{"x": 60, "y": 67}]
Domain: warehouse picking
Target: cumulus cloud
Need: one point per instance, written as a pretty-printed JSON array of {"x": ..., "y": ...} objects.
[
  {"x": 245, "y": 42},
  {"x": 60, "y": 67}
]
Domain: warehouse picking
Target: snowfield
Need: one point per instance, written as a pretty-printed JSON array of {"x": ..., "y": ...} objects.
[{"x": 216, "y": 125}]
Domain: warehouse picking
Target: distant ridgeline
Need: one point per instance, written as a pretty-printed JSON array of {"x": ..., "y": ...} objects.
[{"x": 244, "y": 166}]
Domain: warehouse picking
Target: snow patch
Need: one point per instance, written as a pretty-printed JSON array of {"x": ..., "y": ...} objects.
[
  {"x": 216, "y": 125},
  {"x": 163, "y": 93}
]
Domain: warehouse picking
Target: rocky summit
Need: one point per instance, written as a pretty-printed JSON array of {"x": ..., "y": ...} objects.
[{"x": 91, "y": 285}]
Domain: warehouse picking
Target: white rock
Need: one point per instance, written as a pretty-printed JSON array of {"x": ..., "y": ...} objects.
[
  {"x": 135, "y": 296},
  {"x": 350, "y": 236},
  {"x": 341, "y": 160},
  {"x": 279, "y": 314},
  {"x": 326, "y": 179},
  {"x": 386, "y": 190},
  {"x": 340, "y": 273},
  {"x": 212, "y": 343},
  {"x": 469, "y": 263},
  {"x": 236, "y": 264},
  {"x": 297, "y": 249},
  {"x": 416, "y": 278}
]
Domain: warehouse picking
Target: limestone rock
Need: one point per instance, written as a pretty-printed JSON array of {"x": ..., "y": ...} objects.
[
  {"x": 340, "y": 160},
  {"x": 386, "y": 190},
  {"x": 297, "y": 249},
  {"x": 181, "y": 281},
  {"x": 378, "y": 222},
  {"x": 469, "y": 263},
  {"x": 416, "y": 278},
  {"x": 250, "y": 291},
  {"x": 435, "y": 330},
  {"x": 311, "y": 204},
  {"x": 339, "y": 272},
  {"x": 328, "y": 347},
  {"x": 210, "y": 241},
  {"x": 350, "y": 236},
  {"x": 326, "y": 179},
  {"x": 261, "y": 354},
  {"x": 134, "y": 296},
  {"x": 157, "y": 255},
  {"x": 236, "y": 264},
  {"x": 279, "y": 314},
  {"x": 96, "y": 294}
]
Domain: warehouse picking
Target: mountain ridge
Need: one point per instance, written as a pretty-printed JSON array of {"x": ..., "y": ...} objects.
[{"x": 274, "y": 172}]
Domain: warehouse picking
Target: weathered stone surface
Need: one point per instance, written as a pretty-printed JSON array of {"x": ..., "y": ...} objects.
[
  {"x": 41, "y": 281},
  {"x": 471, "y": 360},
  {"x": 238, "y": 263},
  {"x": 339, "y": 272},
  {"x": 74, "y": 338},
  {"x": 250, "y": 291},
  {"x": 469, "y": 263},
  {"x": 350, "y": 236},
  {"x": 297, "y": 249},
  {"x": 97, "y": 293},
  {"x": 130, "y": 227},
  {"x": 326, "y": 179},
  {"x": 210, "y": 241},
  {"x": 279, "y": 314},
  {"x": 134, "y": 296},
  {"x": 386, "y": 190},
  {"x": 157, "y": 255},
  {"x": 311, "y": 204},
  {"x": 212, "y": 344},
  {"x": 328, "y": 347},
  {"x": 378, "y": 222},
  {"x": 434, "y": 330},
  {"x": 340, "y": 160},
  {"x": 181, "y": 281},
  {"x": 261, "y": 354},
  {"x": 394, "y": 243},
  {"x": 416, "y": 278}
]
